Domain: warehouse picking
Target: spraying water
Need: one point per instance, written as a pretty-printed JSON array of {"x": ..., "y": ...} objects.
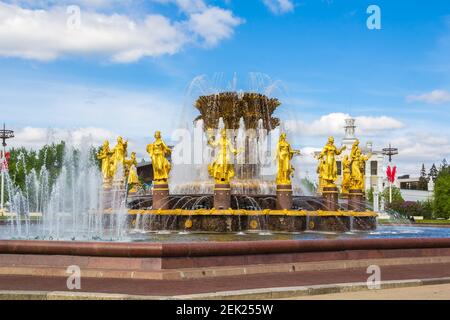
[{"x": 69, "y": 208}]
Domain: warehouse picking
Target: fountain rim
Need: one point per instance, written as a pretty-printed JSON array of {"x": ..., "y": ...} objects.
[
  {"x": 242, "y": 212},
  {"x": 210, "y": 249}
]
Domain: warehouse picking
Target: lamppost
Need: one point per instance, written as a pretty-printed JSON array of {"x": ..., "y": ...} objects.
[
  {"x": 390, "y": 151},
  {"x": 4, "y": 135}
]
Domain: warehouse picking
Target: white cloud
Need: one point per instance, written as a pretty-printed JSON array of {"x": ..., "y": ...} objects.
[
  {"x": 333, "y": 123},
  {"x": 214, "y": 24},
  {"x": 434, "y": 97},
  {"x": 44, "y": 35},
  {"x": 417, "y": 147},
  {"x": 311, "y": 135},
  {"x": 135, "y": 115},
  {"x": 279, "y": 6},
  {"x": 34, "y": 137},
  {"x": 381, "y": 123},
  {"x": 422, "y": 146}
]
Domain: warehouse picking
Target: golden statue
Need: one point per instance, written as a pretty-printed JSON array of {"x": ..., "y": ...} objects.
[
  {"x": 105, "y": 156},
  {"x": 222, "y": 169},
  {"x": 131, "y": 173},
  {"x": 129, "y": 164},
  {"x": 320, "y": 173},
  {"x": 161, "y": 166},
  {"x": 285, "y": 153},
  {"x": 133, "y": 178},
  {"x": 328, "y": 167},
  {"x": 358, "y": 167},
  {"x": 346, "y": 175},
  {"x": 355, "y": 148},
  {"x": 119, "y": 154}
]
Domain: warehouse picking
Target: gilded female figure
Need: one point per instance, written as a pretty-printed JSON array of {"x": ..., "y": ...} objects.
[
  {"x": 131, "y": 171},
  {"x": 328, "y": 167},
  {"x": 105, "y": 156},
  {"x": 119, "y": 154},
  {"x": 358, "y": 166},
  {"x": 161, "y": 166},
  {"x": 222, "y": 169},
  {"x": 285, "y": 153},
  {"x": 346, "y": 175},
  {"x": 355, "y": 148}
]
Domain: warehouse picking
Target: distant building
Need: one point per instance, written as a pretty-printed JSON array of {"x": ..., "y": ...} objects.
[
  {"x": 412, "y": 190},
  {"x": 145, "y": 171}
]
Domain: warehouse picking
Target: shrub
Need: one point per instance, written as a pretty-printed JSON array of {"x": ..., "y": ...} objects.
[
  {"x": 427, "y": 209},
  {"x": 412, "y": 208}
]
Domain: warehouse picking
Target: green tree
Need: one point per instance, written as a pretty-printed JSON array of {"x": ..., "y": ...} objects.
[
  {"x": 444, "y": 165},
  {"x": 433, "y": 173},
  {"x": 94, "y": 151},
  {"x": 309, "y": 185},
  {"x": 369, "y": 195},
  {"x": 442, "y": 194},
  {"x": 23, "y": 161},
  {"x": 423, "y": 180},
  {"x": 396, "y": 195},
  {"x": 427, "y": 209}
]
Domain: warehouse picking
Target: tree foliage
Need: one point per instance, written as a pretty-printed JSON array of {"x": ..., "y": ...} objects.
[
  {"x": 423, "y": 180},
  {"x": 433, "y": 173},
  {"x": 442, "y": 193},
  {"x": 396, "y": 195},
  {"x": 23, "y": 161},
  {"x": 412, "y": 208}
]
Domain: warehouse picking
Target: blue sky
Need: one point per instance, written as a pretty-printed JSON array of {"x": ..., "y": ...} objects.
[{"x": 127, "y": 68}]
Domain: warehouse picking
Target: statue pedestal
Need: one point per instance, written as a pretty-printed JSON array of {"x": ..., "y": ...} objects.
[
  {"x": 284, "y": 197},
  {"x": 222, "y": 196},
  {"x": 107, "y": 197},
  {"x": 113, "y": 196},
  {"x": 160, "y": 196},
  {"x": 330, "y": 197},
  {"x": 356, "y": 201}
]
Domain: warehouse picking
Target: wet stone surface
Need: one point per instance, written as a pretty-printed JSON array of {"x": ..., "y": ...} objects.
[{"x": 237, "y": 223}]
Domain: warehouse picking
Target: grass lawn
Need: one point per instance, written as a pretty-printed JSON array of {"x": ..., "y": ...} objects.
[
  {"x": 433, "y": 221},
  {"x": 387, "y": 221}
]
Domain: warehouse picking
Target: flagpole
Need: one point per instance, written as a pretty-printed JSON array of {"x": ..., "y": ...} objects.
[
  {"x": 4, "y": 135},
  {"x": 390, "y": 192},
  {"x": 390, "y": 151},
  {"x": 3, "y": 179}
]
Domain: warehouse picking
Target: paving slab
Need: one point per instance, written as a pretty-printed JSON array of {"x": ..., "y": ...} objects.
[
  {"x": 171, "y": 288},
  {"x": 424, "y": 292}
]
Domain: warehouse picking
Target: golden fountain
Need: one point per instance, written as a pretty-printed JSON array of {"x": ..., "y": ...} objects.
[{"x": 225, "y": 211}]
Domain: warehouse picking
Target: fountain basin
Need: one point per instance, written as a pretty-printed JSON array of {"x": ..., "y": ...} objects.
[
  {"x": 222, "y": 221},
  {"x": 174, "y": 261}
]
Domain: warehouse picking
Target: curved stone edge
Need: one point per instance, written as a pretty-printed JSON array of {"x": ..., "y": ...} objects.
[
  {"x": 300, "y": 213},
  {"x": 252, "y": 294},
  {"x": 208, "y": 249}
]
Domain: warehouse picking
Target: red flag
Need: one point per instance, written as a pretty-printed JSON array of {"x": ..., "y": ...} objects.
[
  {"x": 4, "y": 161},
  {"x": 391, "y": 172},
  {"x": 394, "y": 172}
]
